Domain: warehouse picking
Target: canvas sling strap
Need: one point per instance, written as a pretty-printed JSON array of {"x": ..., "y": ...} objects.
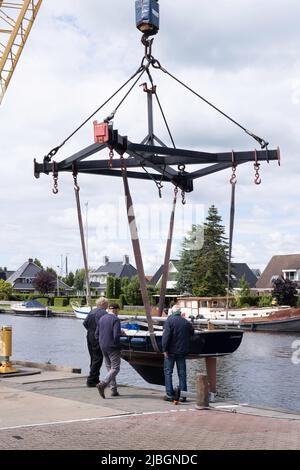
[
  {"x": 231, "y": 226},
  {"x": 137, "y": 254},
  {"x": 83, "y": 245},
  {"x": 166, "y": 264}
]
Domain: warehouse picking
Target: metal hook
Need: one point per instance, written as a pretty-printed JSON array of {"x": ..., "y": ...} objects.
[
  {"x": 55, "y": 177},
  {"x": 233, "y": 178},
  {"x": 111, "y": 157},
  {"x": 75, "y": 173},
  {"x": 257, "y": 179}
]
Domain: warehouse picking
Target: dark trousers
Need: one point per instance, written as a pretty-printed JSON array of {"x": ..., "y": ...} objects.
[{"x": 95, "y": 364}]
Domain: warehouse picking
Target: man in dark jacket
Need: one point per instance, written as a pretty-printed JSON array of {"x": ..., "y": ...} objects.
[
  {"x": 90, "y": 323},
  {"x": 175, "y": 344},
  {"x": 108, "y": 333}
]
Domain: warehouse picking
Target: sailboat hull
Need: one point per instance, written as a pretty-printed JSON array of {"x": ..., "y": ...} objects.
[{"x": 139, "y": 353}]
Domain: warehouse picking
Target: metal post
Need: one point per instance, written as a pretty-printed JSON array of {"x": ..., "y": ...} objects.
[{"x": 6, "y": 350}]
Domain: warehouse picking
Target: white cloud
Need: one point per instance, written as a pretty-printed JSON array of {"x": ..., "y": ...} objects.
[{"x": 243, "y": 56}]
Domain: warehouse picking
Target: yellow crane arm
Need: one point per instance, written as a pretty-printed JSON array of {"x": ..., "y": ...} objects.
[{"x": 16, "y": 20}]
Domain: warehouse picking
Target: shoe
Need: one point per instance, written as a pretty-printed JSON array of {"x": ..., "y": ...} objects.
[
  {"x": 91, "y": 385},
  {"x": 114, "y": 393},
  {"x": 101, "y": 387},
  {"x": 167, "y": 398},
  {"x": 183, "y": 399}
]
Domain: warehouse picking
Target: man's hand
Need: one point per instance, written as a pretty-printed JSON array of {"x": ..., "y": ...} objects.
[{"x": 166, "y": 355}]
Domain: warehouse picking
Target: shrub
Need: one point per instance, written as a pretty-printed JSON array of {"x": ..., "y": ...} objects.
[
  {"x": 77, "y": 300},
  {"x": 122, "y": 301},
  {"x": 265, "y": 301},
  {"x": 247, "y": 301},
  {"x": 61, "y": 301}
]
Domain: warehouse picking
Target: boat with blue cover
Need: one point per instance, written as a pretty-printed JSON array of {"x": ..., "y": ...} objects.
[{"x": 32, "y": 308}]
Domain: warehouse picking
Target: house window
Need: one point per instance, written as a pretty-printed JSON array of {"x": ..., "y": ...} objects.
[
  {"x": 291, "y": 275},
  {"x": 274, "y": 278}
]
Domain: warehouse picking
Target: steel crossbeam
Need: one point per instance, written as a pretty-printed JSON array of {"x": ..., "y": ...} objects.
[{"x": 157, "y": 158}]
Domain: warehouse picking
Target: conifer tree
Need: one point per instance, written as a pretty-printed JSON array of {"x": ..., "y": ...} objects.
[{"x": 203, "y": 270}]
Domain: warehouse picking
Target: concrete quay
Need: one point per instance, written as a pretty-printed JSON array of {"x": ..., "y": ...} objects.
[{"x": 54, "y": 410}]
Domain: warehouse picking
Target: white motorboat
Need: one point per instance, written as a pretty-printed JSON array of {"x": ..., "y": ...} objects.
[{"x": 31, "y": 308}]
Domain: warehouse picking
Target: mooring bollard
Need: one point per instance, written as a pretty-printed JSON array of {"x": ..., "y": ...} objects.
[
  {"x": 211, "y": 369},
  {"x": 202, "y": 391},
  {"x": 6, "y": 350}
]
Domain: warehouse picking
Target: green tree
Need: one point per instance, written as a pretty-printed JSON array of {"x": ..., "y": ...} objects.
[
  {"x": 244, "y": 287},
  {"x": 285, "y": 291},
  {"x": 5, "y": 290},
  {"x": 188, "y": 256},
  {"x": 133, "y": 292},
  {"x": 117, "y": 289},
  {"x": 69, "y": 279},
  {"x": 51, "y": 271},
  {"x": 38, "y": 263},
  {"x": 79, "y": 280},
  {"x": 110, "y": 287},
  {"x": 202, "y": 268},
  {"x": 124, "y": 283}
]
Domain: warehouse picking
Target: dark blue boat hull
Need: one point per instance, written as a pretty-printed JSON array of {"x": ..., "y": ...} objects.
[{"x": 138, "y": 352}]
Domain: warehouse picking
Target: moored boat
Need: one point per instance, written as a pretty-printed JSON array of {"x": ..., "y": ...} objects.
[
  {"x": 287, "y": 320},
  {"x": 81, "y": 312},
  {"x": 31, "y": 308},
  {"x": 137, "y": 349},
  {"x": 214, "y": 308}
]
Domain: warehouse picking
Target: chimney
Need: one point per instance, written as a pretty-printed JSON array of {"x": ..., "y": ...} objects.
[
  {"x": 30, "y": 260},
  {"x": 125, "y": 259},
  {"x": 105, "y": 260}
]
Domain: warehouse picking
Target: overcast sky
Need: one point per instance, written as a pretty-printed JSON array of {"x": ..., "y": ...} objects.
[{"x": 241, "y": 54}]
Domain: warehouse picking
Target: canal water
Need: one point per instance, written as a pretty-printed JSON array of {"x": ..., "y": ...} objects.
[{"x": 265, "y": 370}]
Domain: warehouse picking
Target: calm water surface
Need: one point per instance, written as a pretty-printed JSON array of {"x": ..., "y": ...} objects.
[{"x": 260, "y": 372}]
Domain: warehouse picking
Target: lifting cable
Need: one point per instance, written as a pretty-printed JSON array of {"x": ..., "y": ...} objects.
[
  {"x": 263, "y": 143},
  {"x": 54, "y": 151},
  {"x": 137, "y": 253},
  {"x": 83, "y": 245}
]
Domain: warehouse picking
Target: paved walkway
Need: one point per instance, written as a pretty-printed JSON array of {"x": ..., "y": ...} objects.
[{"x": 55, "y": 410}]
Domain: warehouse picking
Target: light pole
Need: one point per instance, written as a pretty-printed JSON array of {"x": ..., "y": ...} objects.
[{"x": 57, "y": 283}]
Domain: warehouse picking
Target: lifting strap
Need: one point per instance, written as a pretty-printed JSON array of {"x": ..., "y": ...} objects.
[
  {"x": 83, "y": 245},
  {"x": 137, "y": 254},
  {"x": 165, "y": 275},
  {"x": 231, "y": 226}
]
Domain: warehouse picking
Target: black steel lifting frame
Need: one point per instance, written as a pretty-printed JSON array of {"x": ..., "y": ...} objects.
[{"x": 161, "y": 159}]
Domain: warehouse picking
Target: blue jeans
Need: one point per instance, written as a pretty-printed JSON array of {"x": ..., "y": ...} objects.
[{"x": 181, "y": 371}]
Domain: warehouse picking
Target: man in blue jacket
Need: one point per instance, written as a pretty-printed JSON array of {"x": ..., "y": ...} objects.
[
  {"x": 175, "y": 344},
  {"x": 108, "y": 333},
  {"x": 96, "y": 357}
]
